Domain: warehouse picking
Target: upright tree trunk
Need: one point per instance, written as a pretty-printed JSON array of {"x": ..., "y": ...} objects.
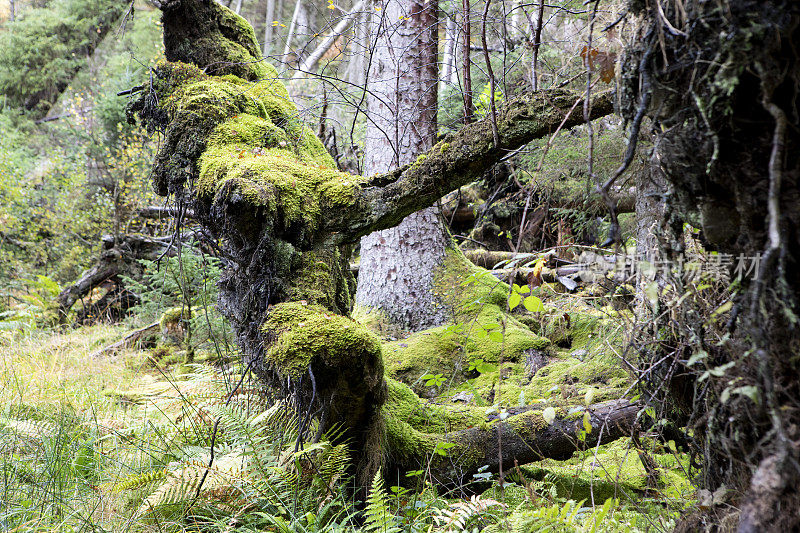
[
  {"x": 465, "y": 57},
  {"x": 292, "y": 25},
  {"x": 358, "y": 51},
  {"x": 397, "y": 264},
  {"x": 344, "y": 23},
  {"x": 448, "y": 59},
  {"x": 268, "y": 26}
]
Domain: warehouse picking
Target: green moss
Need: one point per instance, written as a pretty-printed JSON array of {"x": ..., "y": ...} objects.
[
  {"x": 214, "y": 38},
  {"x": 564, "y": 379},
  {"x": 173, "y": 315},
  {"x": 321, "y": 278},
  {"x": 614, "y": 471},
  {"x": 247, "y": 139},
  {"x": 512, "y": 495},
  {"x": 305, "y": 333},
  {"x": 477, "y": 300},
  {"x": 405, "y": 405},
  {"x": 529, "y": 423},
  {"x": 414, "y": 427}
]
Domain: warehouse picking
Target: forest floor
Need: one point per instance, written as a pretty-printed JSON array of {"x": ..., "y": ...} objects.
[{"x": 120, "y": 443}]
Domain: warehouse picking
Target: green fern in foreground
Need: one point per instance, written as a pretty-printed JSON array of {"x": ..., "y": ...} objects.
[{"x": 379, "y": 517}]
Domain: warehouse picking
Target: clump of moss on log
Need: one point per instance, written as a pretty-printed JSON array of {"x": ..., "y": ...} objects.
[
  {"x": 331, "y": 364},
  {"x": 231, "y": 137},
  {"x": 308, "y": 335}
]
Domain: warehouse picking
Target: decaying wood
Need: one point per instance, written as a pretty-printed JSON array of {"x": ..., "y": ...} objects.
[
  {"x": 128, "y": 340},
  {"x": 160, "y": 212},
  {"x": 118, "y": 257},
  {"x": 626, "y": 203},
  {"x": 530, "y": 442}
]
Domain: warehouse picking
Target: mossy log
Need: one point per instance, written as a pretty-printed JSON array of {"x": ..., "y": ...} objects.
[
  {"x": 519, "y": 439},
  {"x": 236, "y": 152}
]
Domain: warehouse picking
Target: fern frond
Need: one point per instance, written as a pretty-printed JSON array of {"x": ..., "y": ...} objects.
[
  {"x": 457, "y": 516},
  {"x": 221, "y": 482},
  {"x": 139, "y": 480},
  {"x": 34, "y": 430},
  {"x": 379, "y": 517}
]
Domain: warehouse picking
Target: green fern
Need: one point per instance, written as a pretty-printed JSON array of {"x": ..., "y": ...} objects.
[
  {"x": 460, "y": 515},
  {"x": 139, "y": 480},
  {"x": 379, "y": 517}
]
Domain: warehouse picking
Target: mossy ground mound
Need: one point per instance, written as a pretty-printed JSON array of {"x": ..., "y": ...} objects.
[
  {"x": 612, "y": 471},
  {"x": 577, "y": 344},
  {"x": 481, "y": 328}
]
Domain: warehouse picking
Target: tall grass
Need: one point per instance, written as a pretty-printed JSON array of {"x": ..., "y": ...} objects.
[{"x": 116, "y": 444}]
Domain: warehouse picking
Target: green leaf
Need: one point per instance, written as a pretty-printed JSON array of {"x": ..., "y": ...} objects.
[
  {"x": 590, "y": 392},
  {"x": 549, "y": 414},
  {"x": 717, "y": 372},
  {"x": 724, "y": 308},
  {"x": 485, "y": 367},
  {"x": 442, "y": 447},
  {"x": 747, "y": 390},
  {"x": 697, "y": 356},
  {"x": 514, "y": 300},
  {"x": 533, "y": 304},
  {"x": 587, "y": 422}
]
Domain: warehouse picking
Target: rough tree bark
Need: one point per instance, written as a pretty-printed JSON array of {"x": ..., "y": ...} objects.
[
  {"x": 236, "y": 153},
  {"x": 397, "y": 264},
  {"x": 720, "y": 81}
]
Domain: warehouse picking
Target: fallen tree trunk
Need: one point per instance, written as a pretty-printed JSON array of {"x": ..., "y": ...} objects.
[
  {"x": 527, "y": 438},
  {"x": 159, "y": 212},
  {"x": 594, "y": 207},
  {"x": 467, "y": 440},
  {"x": 128, "y": 340},
  {"x": 118, "y": 258}
]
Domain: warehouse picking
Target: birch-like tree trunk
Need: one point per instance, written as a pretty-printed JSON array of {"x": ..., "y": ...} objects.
[
  {"x": 344, "y": 23},
  {"x": 448, "y": 59},
  {"x": 359, "y": 51},
  {"x": 270, "y": 16},
  {"x": 292, "y": 27},
  {"x": 397, "y": 265}
]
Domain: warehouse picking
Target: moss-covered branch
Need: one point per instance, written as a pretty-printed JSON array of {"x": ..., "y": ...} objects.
[
  {"x": 461, "y": 158},
  {"x": 455, "y": 442}
]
